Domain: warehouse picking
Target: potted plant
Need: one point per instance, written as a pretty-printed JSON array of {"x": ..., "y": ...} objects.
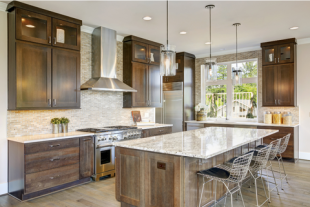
[
  {"x": 55, "y": 123},
  {"x": 64, "y": 122}
]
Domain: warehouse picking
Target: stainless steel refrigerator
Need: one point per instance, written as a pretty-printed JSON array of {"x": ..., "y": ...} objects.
[{"x": 173, "y": 110}]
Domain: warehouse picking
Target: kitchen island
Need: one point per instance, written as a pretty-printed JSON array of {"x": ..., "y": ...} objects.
[{"x": 161, "y": 170}]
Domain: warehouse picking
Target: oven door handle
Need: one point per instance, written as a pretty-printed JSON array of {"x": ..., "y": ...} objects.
[{"x": 104, "y": 146}]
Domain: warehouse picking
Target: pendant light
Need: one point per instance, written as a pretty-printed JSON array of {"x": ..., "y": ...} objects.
[
  {"x": 210, "y": 67},
  {"x": 168, "y": 63},
  {"x": 237, "y": 72}
]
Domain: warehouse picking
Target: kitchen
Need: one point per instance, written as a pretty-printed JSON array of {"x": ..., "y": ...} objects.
[{"x": 97, "y": 110}]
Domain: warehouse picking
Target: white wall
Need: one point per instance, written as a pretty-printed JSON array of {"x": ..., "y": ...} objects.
[
  {"x": 3, "y": 102},
  {"x": 303, "y": 96}
]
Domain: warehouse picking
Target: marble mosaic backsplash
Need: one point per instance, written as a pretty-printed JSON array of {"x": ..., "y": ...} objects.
[{"x": 98, "y": 109}]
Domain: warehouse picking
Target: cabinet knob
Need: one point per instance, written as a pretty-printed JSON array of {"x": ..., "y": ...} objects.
[
  {"x": 275, "y": 102},
  {"x": 56, "y": 145},
  {"x": 57, "y": 158},
  {"x": 54, "y": 40},
  {"x": 54, "y": 101},
  {"x": 49, "y": 102},
  {"x": 49, "y": 39},
  {"x": 279, "y": 101}
]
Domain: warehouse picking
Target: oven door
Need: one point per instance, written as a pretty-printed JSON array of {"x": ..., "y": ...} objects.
[{"x": 105, "y": 159}]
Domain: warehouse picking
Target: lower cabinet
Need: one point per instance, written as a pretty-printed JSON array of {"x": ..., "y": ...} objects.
[
  {"x": 158, "y": 175},
  {"x": 156, "y": 131},
  {"x": 36, "y": 169}
]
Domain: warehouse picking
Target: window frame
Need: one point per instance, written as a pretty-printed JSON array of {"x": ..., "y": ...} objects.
[{"x": 229, "y": 87}]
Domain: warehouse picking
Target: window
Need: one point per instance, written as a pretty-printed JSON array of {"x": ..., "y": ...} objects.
[{"x": 227, "y": 101}]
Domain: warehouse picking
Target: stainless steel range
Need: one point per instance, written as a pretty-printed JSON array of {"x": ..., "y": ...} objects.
[{"x": 104, "y": 149}]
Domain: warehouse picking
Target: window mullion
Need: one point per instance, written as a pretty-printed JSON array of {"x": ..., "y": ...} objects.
[{"x": 229, "y": 93}]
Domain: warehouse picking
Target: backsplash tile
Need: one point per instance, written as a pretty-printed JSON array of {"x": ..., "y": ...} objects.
[{"x": 97, "y": 108}]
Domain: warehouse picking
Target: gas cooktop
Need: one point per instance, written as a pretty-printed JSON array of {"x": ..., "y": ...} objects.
[{"x": 107, "y": 129}]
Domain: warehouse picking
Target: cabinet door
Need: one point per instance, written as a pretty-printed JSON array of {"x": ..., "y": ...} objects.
[
  {"x": 286, "y": 53},
  {"x": 285, "y": 78},
  {"x": 269, "y": 55},
  {"x": 270, "y": 85},
  {"x": 33, "y": 76},
  {"x": 154, "y": 86},
  {"x": 33, "y": 27},
  {"x": 86, "y": 157},
  {"x": 154, "y": 55},
  {"x": 140, "y": 52},
  {"x": 140, "y": 83},
  {"x": 177, "y": 78},
  {"x": 66, "y": 79},
  {"x": 66, "y": 34}
]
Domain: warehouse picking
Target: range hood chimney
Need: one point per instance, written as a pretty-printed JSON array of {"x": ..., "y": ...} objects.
[{"x": 104, "y": 49}]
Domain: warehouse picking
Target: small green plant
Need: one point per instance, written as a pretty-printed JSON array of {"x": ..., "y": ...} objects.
[
  {"x": 55, "y": 121},
  {"x": 64, "y": 120}
]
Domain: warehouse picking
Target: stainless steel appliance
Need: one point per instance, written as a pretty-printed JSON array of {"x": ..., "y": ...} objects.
[
  {"x": 172, "y": 111},
  {"x": 104, "y": 149}
]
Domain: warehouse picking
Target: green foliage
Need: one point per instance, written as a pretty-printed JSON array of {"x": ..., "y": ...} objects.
[
  {"x": 249, "y": 69},
  {"x": 222, "y": 72},
  {"x": 55, "y": 121},
  {"x": 64, "y": 120},
  {"x": 250, "y": 116}
]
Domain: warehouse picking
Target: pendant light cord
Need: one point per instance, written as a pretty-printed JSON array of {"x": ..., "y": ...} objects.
[
  {"x": 167, "y": 23},
  {"x": 236, "y": 47},
  {"x": 210, "y": 35}
]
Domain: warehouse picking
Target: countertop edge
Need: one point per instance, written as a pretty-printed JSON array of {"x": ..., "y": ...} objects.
[
  {"x": 65, "y": 136},
  {"x": 154, "y": 126},
  {"x": 241, "y": 123}
]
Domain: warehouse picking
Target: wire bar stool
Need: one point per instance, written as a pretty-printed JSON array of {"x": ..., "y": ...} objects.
[
  {"x": 282, "y": 148},
  {"x": 272, "y": 155},
  {"x": 258, "y": 163},
  {"x": 223, "y": 173}
]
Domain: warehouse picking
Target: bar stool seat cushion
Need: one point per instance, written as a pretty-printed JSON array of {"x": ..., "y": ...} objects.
[
  {"x": 216, "y": 172},
  {"x": 255, "y": 152},
  {"x": 261, "y": 146}
]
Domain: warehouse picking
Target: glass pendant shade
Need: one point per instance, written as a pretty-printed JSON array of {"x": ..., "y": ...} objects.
[
  {"x": 168, "y": 65},
  {"x": 237, "y": 76},
  {"x": 210, "y": 72}
]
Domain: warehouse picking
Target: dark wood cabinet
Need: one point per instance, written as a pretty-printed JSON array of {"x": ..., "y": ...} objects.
[
  {"x": 66, "y": 79},
  {"x": 33, "y": 76},
  {"x": 40, "y": 74},
  {"x": 48, "y": 166},
  {"x": 279, "y": 73},
  {"x": 141, "y": 71},
  {"x": 86, "y": 157}
]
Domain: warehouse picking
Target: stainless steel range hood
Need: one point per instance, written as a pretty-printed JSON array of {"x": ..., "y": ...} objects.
[{"x": 104, "y": 54}]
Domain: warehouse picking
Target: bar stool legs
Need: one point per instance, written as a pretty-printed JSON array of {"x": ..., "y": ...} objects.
[{"x": 280, "y": 161}]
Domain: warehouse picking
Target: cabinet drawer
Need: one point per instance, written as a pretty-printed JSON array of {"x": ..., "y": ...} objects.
[
  {"x": 160, "y": 131},
  {"x": 51, "y": 145},
  {"x": 50, "y": 178},
  {"x": 51, "y": 159},
  {"x": 276, "y": 136}
]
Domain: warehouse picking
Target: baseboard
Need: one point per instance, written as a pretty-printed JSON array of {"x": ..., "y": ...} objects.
[
  {"x": 3, "y": 188},
  {"x": 304, "y": 155}
]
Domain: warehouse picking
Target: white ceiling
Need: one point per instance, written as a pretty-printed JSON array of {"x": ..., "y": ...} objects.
[{"x": 260, "y": 21}]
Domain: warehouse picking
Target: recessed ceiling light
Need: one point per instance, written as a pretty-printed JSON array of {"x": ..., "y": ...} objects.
[
  {"x": 208, "y": 43},
  {"x": 30, "y": 26},
  {"x": 183, "y": 32},
  {"x": 147, "y": 18},
  {"x": 294, "y": 27}
]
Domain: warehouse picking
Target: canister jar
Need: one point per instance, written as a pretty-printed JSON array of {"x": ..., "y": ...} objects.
[
  {"x": 268, "y": 117},
  {"x": 277, "y": 117},
  {"x": 287, "y": 118}
]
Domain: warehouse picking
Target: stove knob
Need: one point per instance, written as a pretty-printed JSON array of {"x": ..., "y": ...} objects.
[{"x": 115, "y": 138}]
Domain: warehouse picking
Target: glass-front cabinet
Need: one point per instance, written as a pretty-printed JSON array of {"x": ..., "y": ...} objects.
[
  {"x": 33, "y": 27},
  {"x": 145, "y": 53},
  {"x": 278, "y": 54},
  {"x": 66, "y": 34}
]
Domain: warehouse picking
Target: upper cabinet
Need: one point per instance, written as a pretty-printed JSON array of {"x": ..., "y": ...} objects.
[
  {"x": 278, "y": 52},
  {"x": 44, "y": 59},
  {"x": 279, "y": 73},
  {"x": 141, "y": 71}
]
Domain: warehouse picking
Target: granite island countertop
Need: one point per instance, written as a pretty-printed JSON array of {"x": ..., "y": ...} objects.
[
  {"x": 200, "y": 143},
  {"x": 250, "y": 123}
]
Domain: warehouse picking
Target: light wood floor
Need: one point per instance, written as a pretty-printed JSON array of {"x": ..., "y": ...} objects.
[{"x": 101, "y": 194}]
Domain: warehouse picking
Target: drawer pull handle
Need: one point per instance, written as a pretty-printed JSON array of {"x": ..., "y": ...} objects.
[
  {"x": 56, "y": 145},
  {"x": 87, "y": 139},
  {"x": 161, "y": 130},
  {"x": 54, "y": 177},
  {"x": 57, "y": 158},
  {"x": 272, "y": 138}
]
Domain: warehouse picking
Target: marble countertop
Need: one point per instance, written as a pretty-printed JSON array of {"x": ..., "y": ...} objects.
[
  {"x": 250, "y": 123},
  {"x": 48, "y": 137},
  {"x": 200, "y": 143},
  {"x": 155, "y": 126}
]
